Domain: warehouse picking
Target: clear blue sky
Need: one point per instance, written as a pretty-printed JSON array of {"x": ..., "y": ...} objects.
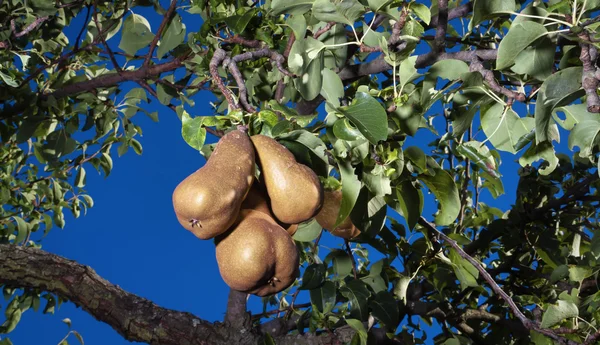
[{"x": 132, "y": 238}]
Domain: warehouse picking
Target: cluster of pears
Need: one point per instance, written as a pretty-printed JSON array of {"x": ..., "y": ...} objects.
[{"x": 251, "y": 221}]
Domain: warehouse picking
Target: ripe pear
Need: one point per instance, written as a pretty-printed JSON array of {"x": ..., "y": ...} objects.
[
  {"x": 208, "y": 201},
  {"x": 294, "y": 189},
  {"x": 328, "y": 215},
  {"x": 257, "y": 256},
  {"x": 257, "y": 200}
]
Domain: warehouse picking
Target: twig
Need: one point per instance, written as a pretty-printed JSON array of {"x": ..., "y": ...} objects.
[
  {"x": 397, "y": 29},
  {"x": 588, "y": 79},
  {"x": 28, "y": 28},
  {"x": 279, "y": 93},
  {"x": 171, "y": 106},
  {"x": 218, "y": 57},
  {"x": 237, "y": 75},
  {"x": 323, "y": 30},
  {"x": 529, "y": 324},
  {"x": 87, "y": 20},
  {"x": 161, "y": 28},
  {"x": 465, "y": 187},
  {"x": 237, "y": 39},
  {"x": 477, "y": 66},
  {"x": 103, "y": 39},
  {"x": 277, "y": 311},
  {"x": 351, "y": 256}
]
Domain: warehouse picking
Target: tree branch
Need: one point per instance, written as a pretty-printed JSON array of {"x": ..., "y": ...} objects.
[
  {"x": 136, "y": 318},
  {"x": 527, "y": 323},
  {"x": 589, "y": 80},
  {"x": 161, "y": 28}
]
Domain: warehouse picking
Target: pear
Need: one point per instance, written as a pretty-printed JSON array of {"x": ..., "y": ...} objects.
[
  {"x": 329, "y": 213},
  {"x": 208, "y": 201},
  {"x": 257, "y": 256},
  {"x": 257, "y": 200},
  {"x": 294, "y": 189}
]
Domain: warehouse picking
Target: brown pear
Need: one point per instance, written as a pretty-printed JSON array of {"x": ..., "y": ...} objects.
[
  {"x": 294, "y": 189},
  {"x": 328, "y": 215},
  {"x": 257, "y": 256},
  {"x": 257, "y": 200},
  {"x": 208, "y": 201}
]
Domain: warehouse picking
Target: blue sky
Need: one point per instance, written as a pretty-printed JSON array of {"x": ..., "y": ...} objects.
[{"x": 132, "y": 238}]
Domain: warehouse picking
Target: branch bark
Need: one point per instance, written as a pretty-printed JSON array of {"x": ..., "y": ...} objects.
[{"x": 138, "y": 319}]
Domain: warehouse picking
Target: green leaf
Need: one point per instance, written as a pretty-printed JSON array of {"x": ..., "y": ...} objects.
[
  {"x": 557, "y": 90},
  {"x": 559, "y": 312},
  {"x": 313, "y": 277},
  {"x": 578, "y": 274},
  {"x": 350, "y": 190},
  {"x": 307, "y": 232},
  {"x": 374, "y": 279},
  {"x": 480, "y": 155},
  {"x": 540, "y": 151},
  {"x": 23, "y": 229},
  {"x": 585, "y": 135},
  {"x": 504, "y": 127},
  {"x": 137, "y": 34},
  {"x": 332, "y": 88},
  {"x": 466, "y": 273},
  {"x": 369, "y": 116},
  {"x": 385, "y": 309},
  {"x": 358, "y": 326},
  {"x": 173, "y": 36},
  {"x": 78, "y": 336},
  {"x": 10, "y": 81},
  {"x": 342, "y": 264},
  {"x": 410, "y": 202},
  {"x": 443, "y": 187},
  {"x": 298, "y": 25},
  {"x": 344, "y": 11},
  {"x": 574, "y": 114},
  {"x": 239, "y": 21},
  {"x": 485, "y": 9},
  {"x": 422, "y": 11},
  {"x": 192, "y": 131},
  {"x": 323, "y": 298},
  {"x": 136, "y": 145},
  {"x": 519, "y": 37},
  {"x": 306, "y": 61},
  {"x": 536, "y": 61},
  {"x": 344, "y": 130},
  {"x": 357, "y": 293},
  {"x": 296, "y": 7},
  {"x": 407, "y": 71},
  {"x": 80, "y": 177},
  {"x": 377, "y": 5}
]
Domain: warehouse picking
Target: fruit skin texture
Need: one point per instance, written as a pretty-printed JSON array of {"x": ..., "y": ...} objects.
[
  {"x": 294, "y": 189},
  {"x": 328, "y": 215},
  {"x": 257, "y": 256},
  {"x": 208, "y": 201},
  {"x": 257, "y": 200}
]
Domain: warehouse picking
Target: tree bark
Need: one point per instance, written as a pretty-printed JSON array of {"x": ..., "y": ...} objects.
[{"x": 136, "y": 318}]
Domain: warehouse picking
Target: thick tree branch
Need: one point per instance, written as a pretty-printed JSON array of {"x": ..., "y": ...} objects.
[
  {"x": 589, "y": 80},
  {"x": 135, "y": 318},
  {"x": 138, "y": 319}
]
